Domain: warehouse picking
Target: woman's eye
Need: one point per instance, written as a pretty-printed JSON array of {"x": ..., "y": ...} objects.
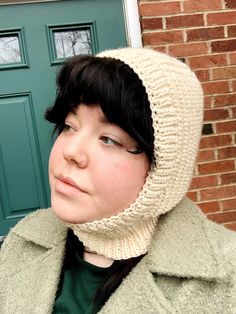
[
  {"x": 135, "y": 151},
  {"x": 109, "y": 141},
  {"x": 66, "y": 128}
]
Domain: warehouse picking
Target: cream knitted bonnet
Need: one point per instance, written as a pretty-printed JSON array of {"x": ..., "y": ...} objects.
[{"x": 176, "y": 103}]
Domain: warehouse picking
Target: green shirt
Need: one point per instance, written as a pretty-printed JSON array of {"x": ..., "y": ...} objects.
[{"x": 79, "y": 282}]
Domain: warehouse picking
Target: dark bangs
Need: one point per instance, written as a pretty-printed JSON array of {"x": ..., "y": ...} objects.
[{"x": 111, "y": 84}]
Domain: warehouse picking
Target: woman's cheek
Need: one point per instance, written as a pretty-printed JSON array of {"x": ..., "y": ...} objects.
[
  {"x": 56, "y": 151},
  {"x": 54, "y": 159}
]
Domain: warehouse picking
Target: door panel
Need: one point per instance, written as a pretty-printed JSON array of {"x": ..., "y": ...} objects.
[
  {"x": 34, "y": 41},
  {"x": 19, "y": 143}
]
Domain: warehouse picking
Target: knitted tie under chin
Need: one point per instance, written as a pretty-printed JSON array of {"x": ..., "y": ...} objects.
[{"x": 176, "y": 102}]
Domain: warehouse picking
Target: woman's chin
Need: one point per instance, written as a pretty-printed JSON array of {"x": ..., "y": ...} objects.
[{"x": 66, "y": 216}]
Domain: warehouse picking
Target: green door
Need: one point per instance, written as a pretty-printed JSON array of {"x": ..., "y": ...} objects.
[{"x": 34, "y": 41}]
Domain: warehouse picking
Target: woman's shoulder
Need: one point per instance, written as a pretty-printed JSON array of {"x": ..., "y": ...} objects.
[
  {"x": 189, "y": 248},
  {"x": 226, "y": 242},
  {"x": 41, "y": 227},
  {"x": 225, "y": 237},
  {"x": 219, "y": 237},
  {"x": 40, "y": 213},
  {"x": 195, "y": 244},
  {"x": 43, "y": 218}
]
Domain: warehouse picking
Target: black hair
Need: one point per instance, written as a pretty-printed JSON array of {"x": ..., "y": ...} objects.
[{"x": 114, "y": 86}]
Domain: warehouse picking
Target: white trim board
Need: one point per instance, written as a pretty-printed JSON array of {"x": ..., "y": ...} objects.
[{"x": 133, "y": 29}]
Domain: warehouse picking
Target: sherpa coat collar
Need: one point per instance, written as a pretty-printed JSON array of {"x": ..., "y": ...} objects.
[{"x": 182, "y": 247}]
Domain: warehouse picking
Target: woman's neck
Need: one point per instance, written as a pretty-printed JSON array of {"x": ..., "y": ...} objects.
[{"x": 96, "y": 259}]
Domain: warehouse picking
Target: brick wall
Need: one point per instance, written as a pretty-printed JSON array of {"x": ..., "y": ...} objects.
[{"x": 202, "y": 33}]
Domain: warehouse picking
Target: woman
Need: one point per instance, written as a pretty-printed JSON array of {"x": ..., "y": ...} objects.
[{"x": 121, "y": 237}]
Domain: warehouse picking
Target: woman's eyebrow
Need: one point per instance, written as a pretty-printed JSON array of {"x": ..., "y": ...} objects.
[{"x": 103, "y": 119}]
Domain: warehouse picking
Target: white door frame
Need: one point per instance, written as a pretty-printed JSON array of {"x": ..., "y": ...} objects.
[{"x": 132, "y": 21}]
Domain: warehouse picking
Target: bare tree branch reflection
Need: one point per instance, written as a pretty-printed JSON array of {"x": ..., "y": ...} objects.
[
  {"x": 9, "y": 49},
  {"x": 72, "y": 43}
]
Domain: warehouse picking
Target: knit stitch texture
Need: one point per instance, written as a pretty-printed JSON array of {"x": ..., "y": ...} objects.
[{"x": 176, "y": 102}]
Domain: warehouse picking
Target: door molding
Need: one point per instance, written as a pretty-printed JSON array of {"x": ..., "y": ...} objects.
[
  {"x": 10, "y": 2},
  {"x": 132, "y": 22}
]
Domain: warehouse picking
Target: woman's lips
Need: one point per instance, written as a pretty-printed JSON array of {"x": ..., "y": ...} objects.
[
  {"x": 67, "y": 186},
  {"x": 69, "y": 181}
]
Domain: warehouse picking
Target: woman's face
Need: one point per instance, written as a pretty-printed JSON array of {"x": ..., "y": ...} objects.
[{"x": 92, "y": 172}]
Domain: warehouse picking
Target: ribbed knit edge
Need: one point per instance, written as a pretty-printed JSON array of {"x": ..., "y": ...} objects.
[{"x": 135, "y": 243}]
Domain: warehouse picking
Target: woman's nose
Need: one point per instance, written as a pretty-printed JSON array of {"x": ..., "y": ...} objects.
[{"x": 75, "y": 152}]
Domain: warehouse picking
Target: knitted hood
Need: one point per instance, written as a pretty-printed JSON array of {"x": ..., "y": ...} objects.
[{"x": 176, "y": 102}]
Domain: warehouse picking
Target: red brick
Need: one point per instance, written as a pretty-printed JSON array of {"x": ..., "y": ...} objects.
[
  {"x": 207, "y": 102},
  {"x": 201, "y": 5},
  {"x": 232, "y": 31},
  {"x": 207, "y": 61},
  {"x": 223, "y": 217},
  {"x": 205, "y": 155},
  {"x": 215, "y": 114},
  {"x": 224, "y": 100},
  {"x": 152, "y": 23},
  {"x": 202, "y": 75},
  {"x": 205, "y": 33},
  {"x": 159, "y": 9},
  {"x": 183, "y": 50},
  {"x": 209, "y": 207},
  {"x": 160, "y": 38},
  {"x": 232, "y": 58},
  {"x": 215, "y": 141},
  {"x": 222, "y": 18},
  {"x": 229, "y": 126},
  {"x": 218, "y": 193},
  {"x": 231, "y": 4},
  {"x": 210, "y": 88},
  {"x": 216, "y": 167},
  {"x": 203, "y": 182},
  {"x": 184, "y": 21},
  {"x": 224, "y": 45},
  {"x": 234, "y": 111},
  {"x": 234, "y": 86},
  {"x": 231, "y": 226},
  {"x": 192, "y": 196},
  {"x": 227, "y": 152},
  {"x": 161, "y": 49},
  {"x": 226, "y": 72},
  {"x": 228, "y": 178},
  {"x": 229, "y": 204}
]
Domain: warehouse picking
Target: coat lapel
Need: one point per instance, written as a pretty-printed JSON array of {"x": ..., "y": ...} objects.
[
  {"x": 32, "y": 283},
  {"x": 33, "y": 288},
  {"x": 138, "y": 293}
]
